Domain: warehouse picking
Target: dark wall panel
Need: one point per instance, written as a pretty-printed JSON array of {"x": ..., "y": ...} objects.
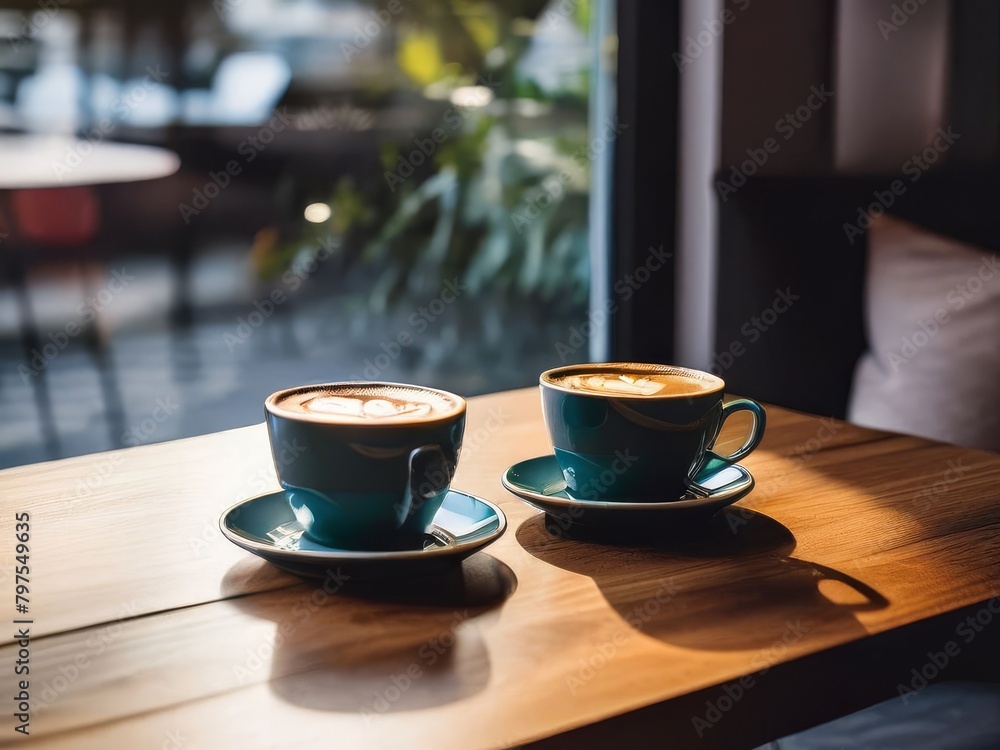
[
  {"x": 783, "y": 238},
  {"x": 776, "y": 52},
  {"x": 645, "y": 200}
]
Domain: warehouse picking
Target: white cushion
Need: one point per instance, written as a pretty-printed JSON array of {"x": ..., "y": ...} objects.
[{"x": 933, "y": 319}]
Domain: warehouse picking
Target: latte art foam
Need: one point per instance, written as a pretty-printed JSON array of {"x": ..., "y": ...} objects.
[
  {"x": 355, "y": 406},
  {"x": 366, "y": 403},
  {"x": 629, "y": 384},
  {"x": 633, "y": 384}
]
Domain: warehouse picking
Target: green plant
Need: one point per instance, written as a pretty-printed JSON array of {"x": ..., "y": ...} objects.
[{"x": 502, "y": 205}]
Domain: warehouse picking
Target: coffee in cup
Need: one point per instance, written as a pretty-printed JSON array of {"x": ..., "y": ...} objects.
[
  {"x": 632, "y": 431},
  {"x": 626, "y": 383},
  {"x": 365, "y": 465}
]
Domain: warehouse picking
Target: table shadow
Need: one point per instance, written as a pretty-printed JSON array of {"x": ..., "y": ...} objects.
[
  {"x": 728, "y": 583},
  {"x": 376, "y": 647}
]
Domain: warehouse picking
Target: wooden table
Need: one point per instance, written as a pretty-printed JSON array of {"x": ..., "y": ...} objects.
[{"x": 817, "y": 594}]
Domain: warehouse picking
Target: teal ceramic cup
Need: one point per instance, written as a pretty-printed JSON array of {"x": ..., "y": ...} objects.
[
  {"x": 365, "y": 480},
  {"x": 631, "y": 431}
]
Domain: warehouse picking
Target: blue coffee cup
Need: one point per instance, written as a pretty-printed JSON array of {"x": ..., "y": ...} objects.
[
  {"x": 365, "y": 481},
  {"x": 621, "y": 445}
]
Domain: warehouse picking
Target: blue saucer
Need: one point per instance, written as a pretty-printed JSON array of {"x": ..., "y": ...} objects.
[
  {"x": 539, "y": 482},
  {"x": 266, "y": 526}
]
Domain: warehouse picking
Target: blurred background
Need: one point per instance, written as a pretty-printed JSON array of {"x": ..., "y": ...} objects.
[
  {"x": 373, "y": 190},
  {"x": 201, "y": 203}
]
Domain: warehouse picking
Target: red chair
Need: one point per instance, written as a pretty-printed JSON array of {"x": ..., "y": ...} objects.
[{"x": 56, "y": 224}]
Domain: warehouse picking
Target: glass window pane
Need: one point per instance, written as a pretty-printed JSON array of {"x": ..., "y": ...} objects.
[{"x": 368, "y": 190}]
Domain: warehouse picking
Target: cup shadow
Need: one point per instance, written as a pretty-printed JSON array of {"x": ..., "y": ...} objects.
[
  {"x": 728, "y": 583},
  {"x": 376, "y": 647}
]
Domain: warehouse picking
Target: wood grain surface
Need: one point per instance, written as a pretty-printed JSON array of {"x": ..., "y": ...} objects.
[{"x": 150, "y": 630}]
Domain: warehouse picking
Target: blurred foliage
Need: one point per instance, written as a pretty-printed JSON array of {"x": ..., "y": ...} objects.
[
  {"x": 420, "y": 57},
  {"x": 501, "y": 202}
]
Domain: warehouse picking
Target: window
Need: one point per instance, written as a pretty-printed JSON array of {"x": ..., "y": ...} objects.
[{"x": 386, "y": 190}]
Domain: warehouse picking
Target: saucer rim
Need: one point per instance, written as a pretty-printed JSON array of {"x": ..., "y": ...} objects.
[
  {"x": 613, "y": 505},
  {"x": 332, "y": 553}
]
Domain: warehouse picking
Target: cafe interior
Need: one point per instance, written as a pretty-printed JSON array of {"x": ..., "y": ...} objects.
[{"x": 205, "y": 203}]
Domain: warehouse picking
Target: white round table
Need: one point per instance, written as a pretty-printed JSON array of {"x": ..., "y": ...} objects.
[{"x": 44, "y": 161}]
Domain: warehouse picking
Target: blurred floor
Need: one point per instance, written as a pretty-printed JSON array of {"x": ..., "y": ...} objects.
[
  {"x": 956, "y": 715},
  {"x": 215, "y": 374}
]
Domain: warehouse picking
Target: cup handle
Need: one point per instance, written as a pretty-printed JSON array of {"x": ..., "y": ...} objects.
[
  {"x": 713, "y": 461},
  {"x": 429, "y": 475}
]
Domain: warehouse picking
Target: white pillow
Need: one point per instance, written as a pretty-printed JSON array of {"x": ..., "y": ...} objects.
[{"x": 932, "y": 309}]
